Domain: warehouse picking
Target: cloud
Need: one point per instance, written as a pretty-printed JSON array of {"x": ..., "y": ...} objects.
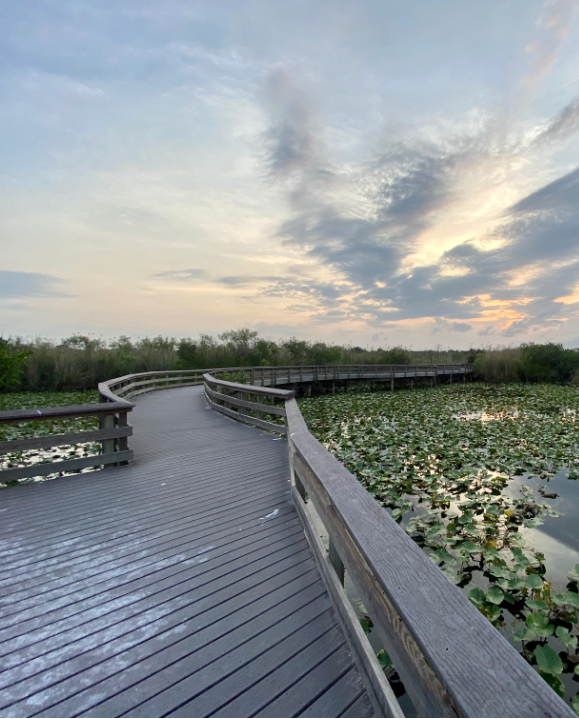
[
  {"x": 290, "y": 140},
  {"x": 244, "y": 280},
  {"x": 365, "y": 223},
  {"x": 181, "y": 275},
  {"x": 563, "y": 125},
  {"x": 460, "y": 327},
  {"x": 553, "y": 29},
  {"x": 30, "y": 284},
  {"x": 562, "y": 194}
]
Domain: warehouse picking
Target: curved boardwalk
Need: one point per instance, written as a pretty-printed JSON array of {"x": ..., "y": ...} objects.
[{"x": 181, "y": 585}]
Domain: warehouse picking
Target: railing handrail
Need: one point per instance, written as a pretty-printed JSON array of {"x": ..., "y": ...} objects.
[
  {"x": 272, "y": 392},
  {"x": 77, "y": 410}
]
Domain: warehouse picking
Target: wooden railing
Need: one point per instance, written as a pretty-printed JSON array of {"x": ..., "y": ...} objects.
[
  {"x": 113, "y": 434},
  {"x": 452, "y": 661},
  {"x": 112, "y": 412},
  {"x": 134, "y": 384},
  {"x": 248, "y": 403}
]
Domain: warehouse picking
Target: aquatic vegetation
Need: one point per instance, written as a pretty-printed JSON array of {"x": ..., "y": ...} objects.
[
  {"x": 441, "y": 461},
  {"x": 69, "y": 425}
]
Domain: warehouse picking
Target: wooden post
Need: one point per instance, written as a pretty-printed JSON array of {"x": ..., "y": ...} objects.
[
  {"x": 336, "y": 562},
  {"x": 392, "y": 385},
  {"x": 107, "y": 421},
  {"x": 300, "y": 487},
  {"x": 259, "y": 401},
  {"x": 122, "y": 442}
]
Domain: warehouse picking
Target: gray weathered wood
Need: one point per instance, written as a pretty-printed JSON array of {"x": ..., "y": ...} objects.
[
  {"x": 381, "y": 694},
  {"x": 246, "y": 404},
  {"x": 66, "y": 465},
  {"x": 246, "y": 419},
  {"x": 107, "y": 421},
  {"x": 279, "y": 393},
  {"x": 81, "y": 410},
  {"x": 336, "y": 561},
  {"x": 57, "y": 440}
]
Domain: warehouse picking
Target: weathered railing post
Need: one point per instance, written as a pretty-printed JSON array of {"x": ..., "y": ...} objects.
[
  {"x": 336, "y": 561},
  {"x": 123, "y": 442}
]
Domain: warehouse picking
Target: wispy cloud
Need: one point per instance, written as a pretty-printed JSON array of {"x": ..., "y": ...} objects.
[
  {"x": 30, "y": 284},
  {"x": 181, "y": 275}
]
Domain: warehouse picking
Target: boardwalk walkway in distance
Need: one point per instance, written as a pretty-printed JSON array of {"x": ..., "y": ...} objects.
[{"x": 181, "y": 585}]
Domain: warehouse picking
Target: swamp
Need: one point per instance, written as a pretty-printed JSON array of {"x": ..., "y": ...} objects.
[{"x": 484, "y": 478}]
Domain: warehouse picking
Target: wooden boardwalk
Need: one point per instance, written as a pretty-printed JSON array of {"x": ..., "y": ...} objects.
[{"x": 180, "y": 585}]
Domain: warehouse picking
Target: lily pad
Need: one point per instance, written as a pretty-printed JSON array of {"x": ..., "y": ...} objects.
[
  {"x": 495, "y": 595},
  {"x": 548, "y": 660}
]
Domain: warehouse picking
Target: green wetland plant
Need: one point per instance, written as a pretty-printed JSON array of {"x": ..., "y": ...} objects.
[{"x": 440, "y": 461}]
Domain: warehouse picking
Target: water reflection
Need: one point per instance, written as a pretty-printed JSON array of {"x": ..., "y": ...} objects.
[{"x": 558, "y": 537}]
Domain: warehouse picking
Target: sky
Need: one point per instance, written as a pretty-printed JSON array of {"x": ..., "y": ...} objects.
[{"x": 374, "y": 172}]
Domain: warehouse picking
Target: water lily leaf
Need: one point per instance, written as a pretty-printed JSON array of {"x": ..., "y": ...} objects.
[
  {"x": 495, "y": 595},
  {"x": 575, "y": 700},
  {"x": 516, "y": 583},
  {"x": 537, "y": 605},
  {"x": 569, "y": 640},
  {"x": 477, "y": 596},
  {"x": 572, "y": 598},
  {"x": 524, "y": 635},
  {"x": 537, "y": 621},
  {"x": 441, "y": 555},
  {"x": 470, "y": 547},
  {"x": 366, "y": 624},
  {"x": 548, "y": 660},
  {"x": 534, "y": 581},
  {"x": 554, "y": 682},
  {"x": 384, "y": 658},
  {"x": 575, "y": 571},
  {"x": 437, "y": 528}
]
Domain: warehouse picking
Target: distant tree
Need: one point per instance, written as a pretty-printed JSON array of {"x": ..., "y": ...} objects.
[
  {"x": 82, "y": 342},
  {"x": 12, "y": 364}
]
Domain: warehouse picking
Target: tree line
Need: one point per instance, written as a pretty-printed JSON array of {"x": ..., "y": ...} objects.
[{"x": 80, "y": 361}]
